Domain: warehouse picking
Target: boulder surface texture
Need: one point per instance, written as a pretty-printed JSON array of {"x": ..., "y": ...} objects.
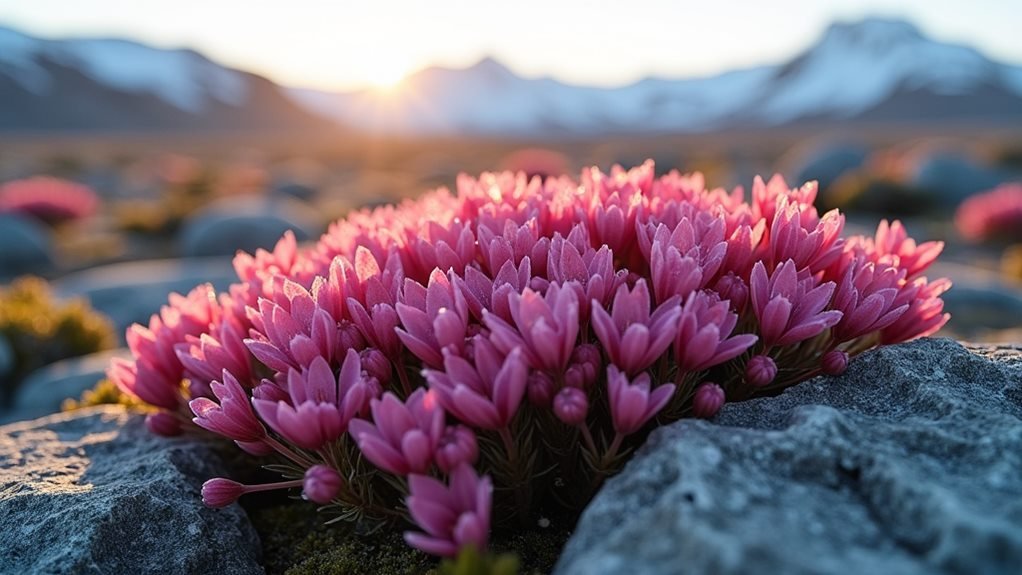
[
  {"x": 911, "y": 462},
  {"x": 92, "y": 491}
]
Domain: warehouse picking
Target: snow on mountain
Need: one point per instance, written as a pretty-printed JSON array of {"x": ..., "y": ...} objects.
[
  {"x": 856, "y": 66},
  {"x": 853, "y": 69},
  {"x": 182, "y": 78}
]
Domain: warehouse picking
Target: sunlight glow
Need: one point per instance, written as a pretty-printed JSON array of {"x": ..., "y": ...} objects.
[{"x": 385, "y": 74}]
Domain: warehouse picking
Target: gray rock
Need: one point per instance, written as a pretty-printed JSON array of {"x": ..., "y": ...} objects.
[
  {"x": 130, "y": 292},
  {"x": 951, "y": 178},
  {"x": 26, "y": 247},
  {"x": 93, "y": 492},
  {"x": 44, "y": 390},
  {"x": 246, "y": 223},
  {"x": 909, "y": 463}
]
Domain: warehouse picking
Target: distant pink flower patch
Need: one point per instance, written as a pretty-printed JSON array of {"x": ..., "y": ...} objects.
[
  {"x": 51, "y": 200},
  {"x": 995, "y": 215}
]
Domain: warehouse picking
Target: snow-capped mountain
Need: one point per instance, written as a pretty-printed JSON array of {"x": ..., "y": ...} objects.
[
  {"x": 100, "y": 84},
  {"x": 874, "y": 69}
]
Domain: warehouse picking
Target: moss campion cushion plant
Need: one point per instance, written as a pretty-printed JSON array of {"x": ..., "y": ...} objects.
[{"x": 482, "y": 359}]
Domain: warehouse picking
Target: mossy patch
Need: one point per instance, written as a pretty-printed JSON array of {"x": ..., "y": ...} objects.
[{"x": 296, "y": 541}]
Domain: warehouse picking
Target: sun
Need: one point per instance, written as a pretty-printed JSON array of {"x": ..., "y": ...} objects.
[{"x": 385, "y": 74}]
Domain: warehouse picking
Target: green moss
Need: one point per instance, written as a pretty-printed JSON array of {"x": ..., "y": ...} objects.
[
  {"x": 105, "y": 392},
  {"x": 297, "y": 542},
  {"x": 42, "y": 329}
]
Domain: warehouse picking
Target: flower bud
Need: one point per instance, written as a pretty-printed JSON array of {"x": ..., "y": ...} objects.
[
  {"x": 588, "y": 357},
  {"x": 760, "y": 371},
  {"x": 321, "y": 484},
  {"x": 731, "y": 287},
  {"x": 163, "y": 423},
  {"x": 350, "y": 338},
  {"x": 221, "y": 492},
  {"x": 458, "y": 445},
  {"x": 574, "y": 376},
  {"x": 708, "y": 400},
  {"x": 834, "y": 362},
  {"x": 571, "y": 406},
  {"x": 376, "y": 364},
  {"x": 540, "y": 388}
]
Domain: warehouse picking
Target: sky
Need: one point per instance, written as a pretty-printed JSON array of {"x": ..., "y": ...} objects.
[{"x": 343, "y": 44}]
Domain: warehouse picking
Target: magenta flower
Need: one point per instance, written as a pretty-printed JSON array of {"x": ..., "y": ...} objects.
[
  {"x": 924, "y": 315},
  {"x": 892, "y": 240},
  {"x": 486, "y": 394},
  {"x": 318, "y": 406},
  {"x": 992, "y": 215},
  {"x": 221, "y": 492},
  {"x": 632, "y": 403},
  {"x": 571, "y": 406},
  {"x": 452, "y": 517},
  {"x": 704, "y": 334},
  {"x": 760, "y": 371},
  {"x": 402, "y": 437},
  {"x": 686, "y": 258},
  {"x": 321, "y": 483},
  {"x": 574, "y": 264},
  {"x": 790, "y": 309},
  {"x": 867, "y": 298},
  {"x": 798, "y": 234},
  {"x": 545, "y": 327},
  {"x": 52, "y": 200},
  {"x": 435, "y": 318},
  {"x": 632, "y": 337},
  {"x": 834, "y": 362},
  {"x": 708, "y": 400},
  {"x": 232, "y": 417},
  {"x": 457, "y": 445}
]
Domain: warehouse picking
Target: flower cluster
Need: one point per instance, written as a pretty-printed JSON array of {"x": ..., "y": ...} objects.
[
  {"x": 51, "y": 200},
  {"x": 494, "y": 353},
  {"x": 993, "y": 215}
]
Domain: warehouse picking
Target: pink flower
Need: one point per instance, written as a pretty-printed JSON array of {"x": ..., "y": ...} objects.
[
  {"x": 892, "y": 240},
  {"x": 708, "y": 400},
  {"x": 866, "y": 296},
  {"x": 232, "y": 417},
  {"x": 457, "y": 445},
  {"x": 52, "y": 200},
  {"x": 321, "y": 483},
  {"x": 834, "y": 362},
  {"x": 435, "y": 318},
  {"x": 760, "y": 371},
  {"x": 571, "y": 406},
  {"x": 545, "y": 327},
  {"x": 798, "y": 234},
  {"x": 220, "y": 492},
  {"x": 632, "y": 404},
  {"x": 319, "y": 406},
  {"x": 402, "y": 437},
  {"x": 790, "y": 309},
  {"x": 632, "y": 337},
  {"x": 704, "y": 334},
  {"x": 924, "y": 315},
  {"x": 485, "y": 393},
  {"x": 686, "y": 258},
  {"x": 452, "y": 517}
]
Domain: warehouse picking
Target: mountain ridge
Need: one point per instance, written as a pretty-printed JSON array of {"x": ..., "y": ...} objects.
[{"x": 871, "y": 70}]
